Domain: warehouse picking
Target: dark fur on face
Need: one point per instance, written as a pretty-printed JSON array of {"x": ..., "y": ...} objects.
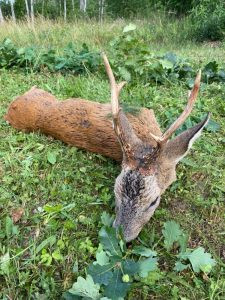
[{"x": 135, "y": 193}]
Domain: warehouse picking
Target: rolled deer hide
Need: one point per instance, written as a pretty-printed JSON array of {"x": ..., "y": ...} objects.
[{"x": 78, "y": 122}]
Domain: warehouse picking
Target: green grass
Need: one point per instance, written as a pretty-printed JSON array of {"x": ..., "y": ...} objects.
[{"x": 80, "y": 184}]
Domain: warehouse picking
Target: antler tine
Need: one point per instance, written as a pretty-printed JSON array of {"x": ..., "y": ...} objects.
[
  {"x": 115, "y": 88},
  {"x": 191, "y": 100}
]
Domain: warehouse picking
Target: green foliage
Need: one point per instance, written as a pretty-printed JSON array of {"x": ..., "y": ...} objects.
[
  {"x": 179, "y": 267},
  {"x": 129, "y": 9},
  {"x": 180, "y": 7},
  {"x": 106, "y": 219},
  {"x": 133, "y": 61},
  {"x": 51, "y": 156},
  {"x": 199, "y": 259},
  {"x": 115, "y": 268},
  {"x": 171, "y": 233},
  {"x": 147, "y": 265},
  {"x": 32, "y": 58},
  {"x": 102, "y": 258},
  {"x": 143, "y": 251},
  {"x": 85, "y": 288},
  {"x": 112, "y": 270},
  {"x": 101, "y": 274},
  {"x": 208, "y": 19},
  {"x": 4, "y": 264},
  {"x": 211, "y": 72},
  {"x": 10, "y": 228},
  {"x": 107, "y": 237}
]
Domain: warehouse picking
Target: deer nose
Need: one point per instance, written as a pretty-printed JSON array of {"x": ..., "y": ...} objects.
[{"x": 129, "y": 233}]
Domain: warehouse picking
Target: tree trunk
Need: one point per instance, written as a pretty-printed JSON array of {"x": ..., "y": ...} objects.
[
  {"x": 83, "y": 5},
  {"x": 101, "y": 10},
  {"x": 60, "y": 8},
  {"x": 73, "y": 7},
  {"x": 27, "y": 10},
  {"x": 65, "y": 10},
  {"x": 82, "y": 123},
  {"x": 42, "y": 8},
  {"x": 1, "y": 15},
  {"x": 12, "y": 10},
  {"x": 32, "y": 11}
]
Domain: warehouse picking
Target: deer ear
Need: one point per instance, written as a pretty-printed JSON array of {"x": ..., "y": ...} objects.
[{"x": 178, "y": 147}]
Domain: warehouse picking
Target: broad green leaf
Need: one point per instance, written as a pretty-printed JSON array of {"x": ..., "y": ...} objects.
[
  {"x": 49, "y": 241},
  {"x": 122, "y": 246},
  {"x": 116, "y": 289},
  {"x": 86, "y": 288},
  {"x": 221, "y": 74},
  {"x": 190, "y": 83},
  {"x": 147, "y": 265},
  {"x": 120, "y": 236},
  {"x": 166, "y": 64},
  {"x": 183, "y": 242},
  {"x": 171, "y": 57},
  {"x": 106, "y": 219},
  {"x": 171, "y": 233},
  {"x": 200, "y": 260},
  {"x": 101, "y": 274},
  {"x": 51, "y": 156},
  {"x": 102, "y": 258},
  {"x": 130, "y": 267},
  {"x": 184, "y": 255},
  {"x": 4, "y": 263},
  {"x": 179, "y": 267},
  {"x": 144, "y": 251},
  {"x": 129, "y": 27},
  {"x": 68, "y": 296},
  {"x": 109, "y": 241},
  {"x": 212, "y": 66}
]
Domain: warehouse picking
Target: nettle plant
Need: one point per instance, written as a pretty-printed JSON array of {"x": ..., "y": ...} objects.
[{"x": 117, "y": 268}]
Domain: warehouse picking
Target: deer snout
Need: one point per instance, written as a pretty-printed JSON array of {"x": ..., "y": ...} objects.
[{"x": 130, "y": 230}]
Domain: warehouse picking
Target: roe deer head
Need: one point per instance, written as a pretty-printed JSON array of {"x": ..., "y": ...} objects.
[{"x": 147, "y": 170}]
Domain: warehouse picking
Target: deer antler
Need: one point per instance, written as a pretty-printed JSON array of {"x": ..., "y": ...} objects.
[
  {"x": 191, "y": 100},
  {"x": 124, "y": 131},
  {"x": 115, "y": 88}
]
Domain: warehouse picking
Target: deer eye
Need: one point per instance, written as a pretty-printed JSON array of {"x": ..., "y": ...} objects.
[{"x": 152, "y": 203}]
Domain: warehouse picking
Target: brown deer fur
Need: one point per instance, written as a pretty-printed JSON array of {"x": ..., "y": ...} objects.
[{"x": 82, "y": 123}]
